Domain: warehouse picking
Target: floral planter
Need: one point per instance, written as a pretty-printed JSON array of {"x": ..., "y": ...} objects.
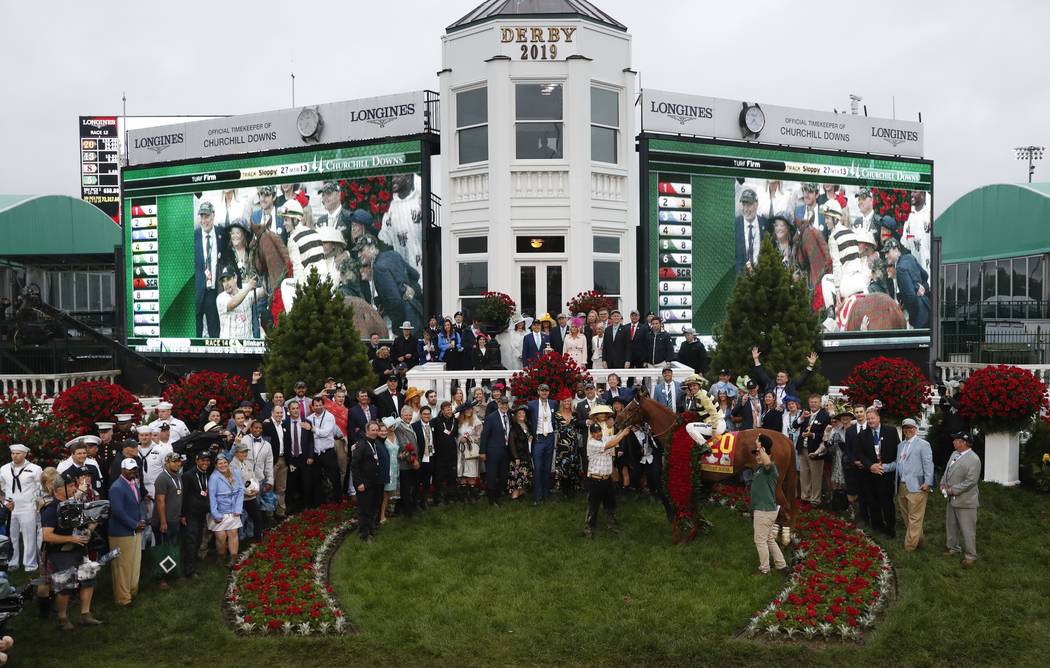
[{"x": 1002, "y": 454}]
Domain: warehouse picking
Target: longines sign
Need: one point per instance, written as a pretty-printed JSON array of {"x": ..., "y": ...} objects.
[
  {"x": 353, "y": 120},
  {"x": 675, "y": 113}
]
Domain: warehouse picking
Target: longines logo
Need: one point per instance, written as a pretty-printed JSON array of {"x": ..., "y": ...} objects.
[
  {"x": 382, "y": 115},
  {"x": 894, "y": 136},
  {"x": 159, "y": 143},
  {"x": 683, "y": 113}
]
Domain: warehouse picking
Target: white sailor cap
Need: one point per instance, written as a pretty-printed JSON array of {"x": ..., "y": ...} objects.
[
  {"x": 18, "y": 447},
  {"x": 83, "y": 440},
  {"x": 104, "y": 426},
  {"x": 164, "y": 406},
  {"x": 143, "y": 429},
  {"x": 123, "y": 417}
]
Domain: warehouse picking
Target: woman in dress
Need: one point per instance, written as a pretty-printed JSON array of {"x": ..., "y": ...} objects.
[
  {"x": 389, "y": 438},
  {"x": 468, "y": 469},
  {"x": 428, "y": 350},
  {"x": 520, "y": 477},
  {"x": 597, "y": 361},
  {"x": 382, "y": 365},
  {"x": 589, "y": 330},
  {"x": 575, "y": 345},
  {"x": 450, "y": 347},
  {"x": 516, "y": 337},
  {"x": 235, "y": 254},
  {"x": 784, "y": 241},
  {"x": 226, "y": 503},
  {"x": 567, "y": 444}
]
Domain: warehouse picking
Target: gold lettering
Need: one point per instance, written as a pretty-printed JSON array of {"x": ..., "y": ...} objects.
[
  {"x": 553, "y": 34},
  {"x": 506, "y": 35},
  {"x": 537, "y": 34},
  {"x": 520, "y": 32},
  {"x": 568, "y": 34}
]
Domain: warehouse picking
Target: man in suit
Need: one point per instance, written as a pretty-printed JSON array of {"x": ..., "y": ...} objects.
[
  {"x": 614, "y": 344},
  {"x": 392, "y": 285},
  {"x": 811, "y": 425},
  {"x": 425, "y": 438},
  {"x": 299, "y": 461},
  {"x": 658, "y": 347},
  {"x": 266, "y": 215},
  {"x": 692, "y": 352},
  {"x": 585, "y": 406},
  {"x": 541, "y": 423},
  {"x": 126, "y": 523},
  {"x": 913, "y": 469},
  {"x": 389, "y": 403},
  {"x": 361, "y": 414},
  {"x": 559, "y": 332},
  {"x": 495, "y": 437},
  {"x": 364, "y": 469},
  {"x": 959, "y": 486},
  {"x": 912, "y": 284},
  {"x": 748, "y": 411},
  {"x": 878, "y": 445},
  {"x": 669, "y": 391},
  {"x": 466, "y": 334},
  {"x": 636, "y": 338},
  {"x": 274, "y": 430},
  {"x": 810, "y": 209},
  {"x": 614, "y": 391},
  {"x": 750, "y": 227},
  {"x": 334, "y": 214},
  {"x": 852, "y": 467},
  {"x": 782, "y": 386},
  {"x": 208, "y": 242},
  {"x": 405, "y": 348},
  {"x": 533, "y": 344}
]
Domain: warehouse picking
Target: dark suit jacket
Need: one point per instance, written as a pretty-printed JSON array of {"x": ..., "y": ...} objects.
[
  {"x": 817, "y": 423},
  {"x": 888, "y": 452},
  {"x": 270, "y": 429},
  {"x": 277, "y": 227},
  {"x": 614, "y": 350},
  {"x": 385, "y": 404},
  {"x": 741, "y": 241},
  {"x": 769, "y": 385},
  {"x": 306, "y": 444},
  {"x": 636, "y": 346},
  {"x": 658, "y": 347},
  {"x": 557, "y": 340},
  {"x": 392, "y": 275},
  {"x": 534, "y": 413},
  {"x": 529, "y": 352},
  {"x": 583, "y": 410},
  {"x": 403, "y": 347},
  {"x": 198, "y": 260},
  {"x": 418, "y": 427},
  {"x": 359, "y": 420},
  {"x": 490, "y": 360},
  {"x": 494, "y": 438},
  {"x": 625, "y": 393},
  {"x": 363, "y": 466},
  {"x": 693, "y": 355},
  {"x": 773, "y": 419},
  {"x": 743, "y": 411},
  {"x": 910, "y": 276},
  {"x": 193, "y": 504},
  {"x": 466, "y": 335}
]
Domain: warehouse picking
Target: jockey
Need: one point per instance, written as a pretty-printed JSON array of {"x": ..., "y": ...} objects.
[{"x": 711, "y": 421}]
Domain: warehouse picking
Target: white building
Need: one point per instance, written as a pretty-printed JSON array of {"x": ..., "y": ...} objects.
[{"x": 539, "y": 171}]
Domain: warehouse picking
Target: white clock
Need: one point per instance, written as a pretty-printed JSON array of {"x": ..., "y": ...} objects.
[
  {"x": 309, "y": 124},
  {"x": 752, "y": 120}
]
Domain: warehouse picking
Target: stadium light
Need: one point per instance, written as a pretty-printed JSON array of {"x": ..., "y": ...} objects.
[{"x": 1031, "y": 154}]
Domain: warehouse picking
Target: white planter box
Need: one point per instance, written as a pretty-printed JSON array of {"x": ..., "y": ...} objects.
[{"x": 1002, "y": 452}]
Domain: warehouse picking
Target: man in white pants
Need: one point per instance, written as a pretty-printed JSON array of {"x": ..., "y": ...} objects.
[{"x": 20, "y": 486}]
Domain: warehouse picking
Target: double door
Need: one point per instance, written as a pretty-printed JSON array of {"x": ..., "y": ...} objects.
[{"x": 540, "y": 288}]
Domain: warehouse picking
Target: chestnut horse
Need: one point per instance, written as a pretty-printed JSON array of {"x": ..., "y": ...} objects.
[{"x": 663, "y": 422}]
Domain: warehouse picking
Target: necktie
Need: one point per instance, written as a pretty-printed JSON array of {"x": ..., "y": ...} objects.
[
  {"x": 16, "y": 484},
  {"x": 426, "y": 439},
  {"x": 207, "y": 260},
  {"x": 633, "y": 327},
  {"x": 295, "y": 439},
  {"x": 506, "y": 432},
  {"x": 750, "y": 241},
  {"x": 145, "y": 462}
]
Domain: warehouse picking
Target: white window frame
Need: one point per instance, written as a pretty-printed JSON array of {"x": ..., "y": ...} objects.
[
  {"x": 614, "y": 128},
  {"x": 472, "y": 126},
  {"x": 609, "y": 257},
  {"x": 560, "y": 121},
  {"x": 462, "y": 258}
]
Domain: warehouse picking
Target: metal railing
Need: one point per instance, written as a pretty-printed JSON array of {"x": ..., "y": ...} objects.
[
  {"x": 434, "y": 376},
  {"x": 52, "y": 384}
]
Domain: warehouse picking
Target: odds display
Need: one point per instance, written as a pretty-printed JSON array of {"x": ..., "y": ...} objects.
[
  {"x": 145, "y": 293},
  {"x": 675, "y": 230}
]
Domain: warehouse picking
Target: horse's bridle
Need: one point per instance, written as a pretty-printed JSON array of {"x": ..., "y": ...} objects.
[{"x": 678, "y": 422}]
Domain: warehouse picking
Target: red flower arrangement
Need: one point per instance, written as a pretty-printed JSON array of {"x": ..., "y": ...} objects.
[
  {"x": 189, "y": 397},
  {"x": 559, "y": 372},
  {"x": 281, "y": 584},
  {"x": 683, "y": 485},
  {"x": 1002, "y": 398},
  {"x": 26, "y": 419},
  {"x": 896, "y": 203},
  {"x": 899, "y": 384},
  {"x": 86, "y": 403},
  {"x": 495, "y": 308},
  {"x": 373, "y": 194},
  {"x": 590, "y": 300},
  {"x": 839, "y": 582}
]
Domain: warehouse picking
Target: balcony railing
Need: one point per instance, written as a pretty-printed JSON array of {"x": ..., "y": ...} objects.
[{"x": 50, "y": 385}]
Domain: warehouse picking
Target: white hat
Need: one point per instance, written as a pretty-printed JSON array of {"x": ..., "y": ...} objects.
[
  {"x": 865, "y": 237},
  {"x": 154, "y": 429},
  {"x": 528, "y": 321},
  {"x": 407, "y": 325},
  {"x": 123, "y": 417},
  {"x": 83, "y": 440},
  {"x": 832, "y": 208},
  {"x": 104, "y": 426},
  {"x": 143, "y": 429},
  {"x": 129, "y": 464},
  {"x": 908, "y": 422},
  {"x": 291, "y": 208},
  {"x": 389, "y": 421},
  {"x": 331, "y": 235},
  {"x": 164, "y": 406},
  {"x": 210, "y": 425},
  {"x": 18, "y": 447}
]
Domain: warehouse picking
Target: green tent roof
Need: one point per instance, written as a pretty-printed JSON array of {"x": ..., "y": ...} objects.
[
  {"x": 54, "y": 225},
  {"x": 997, "y": 221}
]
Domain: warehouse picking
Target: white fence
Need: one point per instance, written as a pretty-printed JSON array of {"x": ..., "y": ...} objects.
[
  {"x": 433, "y": 376},
  {"x": 52, "y": 384},
  {"x": 951, "y": 370}
]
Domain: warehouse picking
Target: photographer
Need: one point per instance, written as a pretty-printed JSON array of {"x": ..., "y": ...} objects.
[
  {"x": 65, "y": 550},
  {"x": 125, "y": 532}
]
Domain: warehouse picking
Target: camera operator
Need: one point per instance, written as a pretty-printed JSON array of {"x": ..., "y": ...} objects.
[
  {"x": 65, "y": 548},
  {"x": 125, "y": 532}
]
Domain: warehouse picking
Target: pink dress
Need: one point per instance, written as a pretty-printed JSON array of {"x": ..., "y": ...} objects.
[{"x": 576, "y": 348}]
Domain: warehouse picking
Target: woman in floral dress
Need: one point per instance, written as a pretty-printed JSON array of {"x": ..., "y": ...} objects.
[
  {"x": 520, "y": 477},
  {"x": 567, "y": 446}
]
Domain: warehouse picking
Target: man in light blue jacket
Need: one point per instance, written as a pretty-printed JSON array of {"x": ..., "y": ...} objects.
[{"x": 914, "y": 478}]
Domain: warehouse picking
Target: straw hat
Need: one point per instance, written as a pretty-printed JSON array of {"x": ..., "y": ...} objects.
[
  {"x": 600, "y": 409},
  {"x": 546, "y": 317},
  {"x": 412, "y": 393}
]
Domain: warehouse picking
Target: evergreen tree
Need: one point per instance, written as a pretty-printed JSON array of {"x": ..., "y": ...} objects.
[
  {"x": 771, "y": 310},
  {"x": 316, "y": 339}
]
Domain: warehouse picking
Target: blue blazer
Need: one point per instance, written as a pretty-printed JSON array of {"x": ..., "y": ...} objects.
[
  {"x": 198, "y": 258},
  {"x": 125, "y": 512},
  {"x": 821, "y": 226},
  {"x": 529, "y": 353},
  {"x": 278, "y": 223},
  {"x": 493, "y": 439},
  {"x": 625, "y": 393},
  {"x": 909, "y": 277},
  {"x": 660, "y": 395},
  {"x": 358, "y": 421},
  {"x": 534, "y": 413}
]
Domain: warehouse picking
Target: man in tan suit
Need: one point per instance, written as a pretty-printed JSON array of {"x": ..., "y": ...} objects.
[{"x": 959, "y": 486}]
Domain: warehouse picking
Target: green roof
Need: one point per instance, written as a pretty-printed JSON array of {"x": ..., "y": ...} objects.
[
  {"x": 997, "y": 221},
  {"x": 56, "y": 225}
]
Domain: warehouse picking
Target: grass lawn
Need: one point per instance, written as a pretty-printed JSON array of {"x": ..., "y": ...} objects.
[{"x": 470, "y": 586}]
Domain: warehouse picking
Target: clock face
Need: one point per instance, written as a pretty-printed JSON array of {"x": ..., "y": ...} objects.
[
  {"x": 307, "y": 122},
  {"x": 754, "y": 119}
]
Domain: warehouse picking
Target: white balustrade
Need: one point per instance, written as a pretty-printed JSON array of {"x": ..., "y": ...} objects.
[
  {"x": 434, "y": 376},
  {"x": 953, "y": 370},
  {"x": 51, "y": 384}
]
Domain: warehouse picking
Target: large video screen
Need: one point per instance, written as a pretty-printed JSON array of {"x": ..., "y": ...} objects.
[
  {"x": 215, "y": 250},
  {"x": 855, "y": 229}
]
